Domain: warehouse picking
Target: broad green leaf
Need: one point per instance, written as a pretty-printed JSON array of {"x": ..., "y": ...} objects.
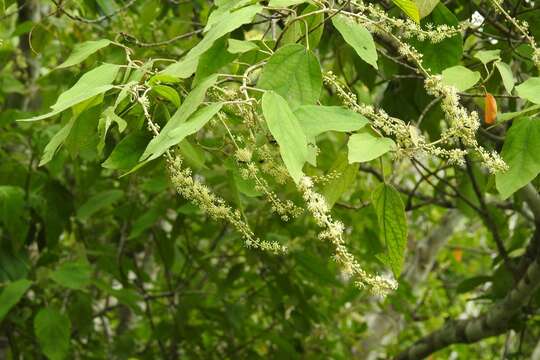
[
  {"x": 53, "y": 331},
  {"x": 107, "y": 118},
  {"x": 365, "y": 146},
  {"x": 182, "y": 69},
  {"x": 512, "y": 115},
  {"x": 128, "y": 151},
  {"x": 316, "y": 268},
  {"x": 445, "y": 53},
  {"x": 193, "y": 155},
  {"x": 344, "y": 181},
  {"x": 285, "y": 3},
  {"x": 521, "y": 152},
  {"x": 487, "y": 56},
  {"x": 56, "y": 142},
  {"x": 506, "y": 75},
  {"x": 315, "y": 119},
  {"x": 213, "y": 60},
  {"x": 295, "y": 32},
  {"x": 224, "y": 9},
  {"x": 13, "y": 214},
  {"x": 226, "y": 23},
  {"x": 195, "y": 122},
  {"x": 11, "y": 294},
  {"x": 162, "y": 142},
  {"x": 83, "y": 139},
  {"x": 94, "y": 82},
  {"x": 530, "y": 90},
  {"x": 97, "y": 202},
  {"x": 425, "y": 7},
  {"x": 409, "y": 8},
  {"x": 82, "y": 51},
  {"x": 460, "y": 77},
  {"x": 73, "y": 275},
  {"x": 168, "y": 93},
  {"x": 357, "y": 36},
  {"x": 241, "y": 46},
  {"x": 287, "y": 131},
  {"x": 294, "y": 73},
  {"x": 163, "y": 78},
  {"x": 146, "y": 220},
  {"x": 393, "y": 226}
]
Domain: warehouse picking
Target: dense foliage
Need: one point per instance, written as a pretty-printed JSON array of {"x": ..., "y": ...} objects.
[{"x": 269, "y": 179}]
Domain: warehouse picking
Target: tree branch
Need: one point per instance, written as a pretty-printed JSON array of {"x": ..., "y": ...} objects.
[{"x": 495, "y": 321}]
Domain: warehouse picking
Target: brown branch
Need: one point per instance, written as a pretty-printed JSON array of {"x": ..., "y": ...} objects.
[
  {"x": 495, "y": 321},
  {"x": 60, "y": 8}
]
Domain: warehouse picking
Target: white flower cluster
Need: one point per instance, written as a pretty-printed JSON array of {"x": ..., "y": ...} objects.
[
  {"x": 463, "y": 125},
  {"x": 333, "y": 232},
  {"x": 214, "y": 206},
  {"x": 285, "y": 209},
  {"x": 406, "y": 28}
]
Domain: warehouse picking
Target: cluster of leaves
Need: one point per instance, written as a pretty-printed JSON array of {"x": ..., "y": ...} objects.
[{"x": 109, "y": 250}]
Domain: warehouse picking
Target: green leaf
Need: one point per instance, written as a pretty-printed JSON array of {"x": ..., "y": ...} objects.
[
  {"x": 175, "y": 135},
  {"x": 161, "y": 143},
  {"x": 295, "y": 32},
  {"x": 168, "y": 93},
  {"x": 56, "y": 141},
  {"x": 241, "y": 46},
  {"x": 316, "y": 119},
  {"x": 82, "y": 51},
  {"x": 294, "y": 73},
  {"x": 506, "y": 75},
  {"x": 425, "y": 7},
  {"x": 97, "y": 202},
  {"x": 213, "y": 60},
  {"x": 357, "y": 36},
  {"x": 94, "y": 82},
  {"x": 128, "y": 151},
  {"x": 365, "y": 146},
  {"x": 53, "y": 331},
  {"x": 163, "y": 78},
  {"x": 443, "y": 54},
  {"x": 487, "y": 56},
  {"x": 107, "y": 118},
  {"x": 521, "y": 151},
  {"x": 460, "y": 77},
  {"x": 393, "y": 226},
  {"x": 228, "y": 22},
  {"x": 287, "y": 131},
  {"x": 12, "y": 293},
  {"x": 73, "y": 275},
  {"x": 83, "y": 139},
  {"x": 13, "y": 214},
  {"x": 530, "y": 90},
  {"x": 344, "y": 181},
  {"x": 409, "y": 8},
  {"x": 285, "y": 3},
  {"x": 146, "y": 220},
  {"x": 512, "y": 115},
  {"x": 223, "y": 10}
]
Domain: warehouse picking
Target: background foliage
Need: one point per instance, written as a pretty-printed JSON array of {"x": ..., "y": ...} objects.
[{"x": 290, "y": 114}]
